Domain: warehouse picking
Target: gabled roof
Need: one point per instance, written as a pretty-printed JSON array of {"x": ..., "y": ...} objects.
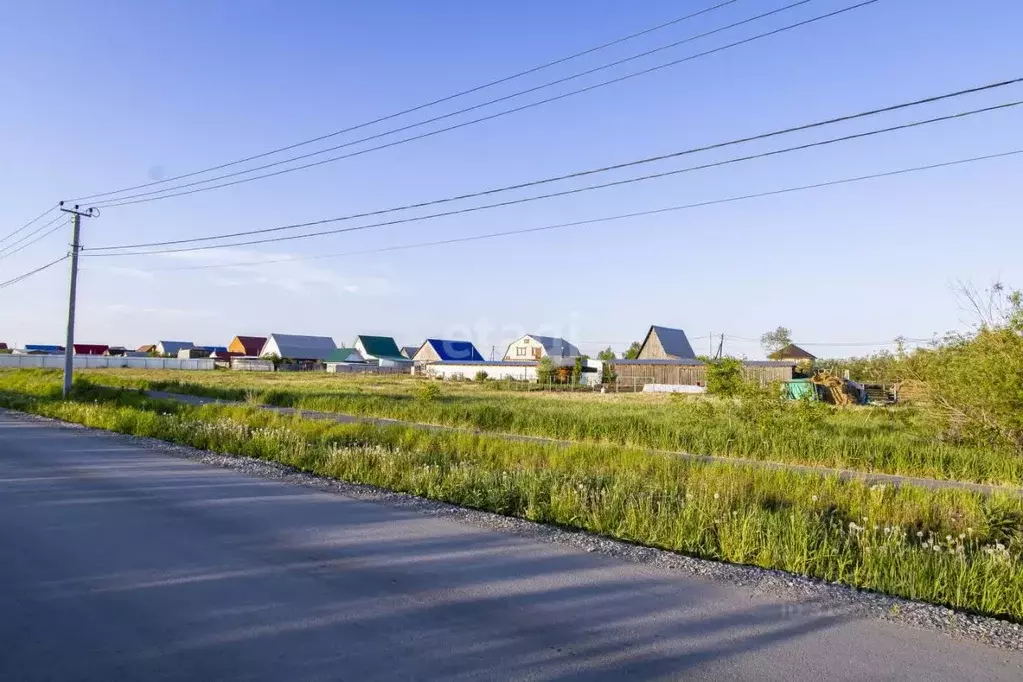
[
  {"x": 455, "y": 351},
  {"x": 299, "y": 347},
  {"x": 409, "y": 351},
  {"x": 380, "y": 346},
  {"x": 674, "y": 342},
  {"x": 252, "y": 344},
  {"x": 90, "y": 348},
  {"x": 211, "y": 349},
  {"x": 3, "y": 346},
  {"x": 792, "y": 352},
  {"x": 345, "y": 355},
  {"x": 172, "y": 347},
  {"x": 555, "y": 346},
  {"x": 146, "y": 348}
]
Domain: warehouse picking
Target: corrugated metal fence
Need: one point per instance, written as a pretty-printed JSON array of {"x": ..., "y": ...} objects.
[{"x": 103, "y": 362}]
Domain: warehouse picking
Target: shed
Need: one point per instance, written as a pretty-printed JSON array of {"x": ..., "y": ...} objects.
[
  {"x": 409, "y": 351},
  {"x": 767, "y": 372},
  {"x": 147, "y": 348},
  {"x": 666, "y": 343},
  {"x": 247, "y": 345},
  {"x": 172, "y": 347},
  {"x": 443, "y": 350},
  {"x": 297, "y": 347},
  {"x": 247, "y": 364},
  {"x": 535, "y": 346},
  {"x": 792, "y": 352},
  {"x": 347, "y": 355},
  {"x": 378, "y": 348}
]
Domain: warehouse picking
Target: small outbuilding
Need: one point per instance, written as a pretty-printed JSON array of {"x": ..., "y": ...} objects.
[
  {"x": 535, "y": 346},
  {"x": 409, "y": 351},
  {"x": 249, "y": 346},
  {"x": 443, "y": 350},
  {"x": 146, "y": 348},
  {"x": 666, "y": 343},
  {"x": 793, "y": 353}
]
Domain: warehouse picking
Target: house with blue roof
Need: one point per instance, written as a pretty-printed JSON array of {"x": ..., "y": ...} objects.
[{"x": 445, "y": 350}]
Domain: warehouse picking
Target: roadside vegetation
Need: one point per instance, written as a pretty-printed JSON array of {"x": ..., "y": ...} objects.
[
  {"x": 756, "y": 424},
  {"x": 950, "y": 547}
]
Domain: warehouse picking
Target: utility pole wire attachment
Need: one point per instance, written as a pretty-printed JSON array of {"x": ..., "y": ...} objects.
[{"x": 69, "y": 348}]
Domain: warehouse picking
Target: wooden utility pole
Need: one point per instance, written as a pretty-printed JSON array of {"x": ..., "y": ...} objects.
[{"x": 69, "y": 347}]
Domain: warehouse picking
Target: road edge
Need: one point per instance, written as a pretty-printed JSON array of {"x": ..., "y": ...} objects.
[{"x": 802, "y": 592}]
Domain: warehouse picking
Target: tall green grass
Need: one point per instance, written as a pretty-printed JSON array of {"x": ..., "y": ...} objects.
[
  {"x": 949, "y": 547},
  {"x": 895, "y": 441}
]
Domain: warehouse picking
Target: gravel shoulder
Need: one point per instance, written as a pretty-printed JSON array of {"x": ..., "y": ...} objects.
[
  {"x": 844, "y": 474},
  {"x": 801, "y": 593}
]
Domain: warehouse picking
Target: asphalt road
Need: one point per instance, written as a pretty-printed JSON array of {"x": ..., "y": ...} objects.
[{"x": 121, "y": 563}]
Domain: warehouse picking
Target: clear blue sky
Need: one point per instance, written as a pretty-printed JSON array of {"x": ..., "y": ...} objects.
[{"x": 102, "y": 95}]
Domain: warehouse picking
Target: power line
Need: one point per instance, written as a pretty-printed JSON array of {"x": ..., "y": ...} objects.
[
  {"x": 32, "y": 233},
  {"x": 588, "y": 188},
  {"x": 26, "y": 275},
  {"x": 39, "y": 238},
  {"x": 124, "y": 201},
  {"x": 492, "y": 235},
  {"x": 29, "y": 223},
  {"x": 419, "y": 107},
  {"x": 583, "y": 173}
]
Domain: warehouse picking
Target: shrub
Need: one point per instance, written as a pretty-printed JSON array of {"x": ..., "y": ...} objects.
[
  {"x": 481, "y": 375},
  {"x": 428, "y": 393},
  {"x": 724, "y": 377}
]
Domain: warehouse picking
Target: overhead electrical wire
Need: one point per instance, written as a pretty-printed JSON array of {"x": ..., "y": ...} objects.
[
  {"x": 29, "y": 223},
  {"x": 419, "y": 107},
  {"x": 616, "y": 183},
  {"x": 145, "y": 197},
  {"x": 6, "y": 250},
  {"x": 26, "y": 275},
  {"x": 583, "y": 173},
  {"x": 39, "y": 238},
  {"x": 592, "y": 221}
]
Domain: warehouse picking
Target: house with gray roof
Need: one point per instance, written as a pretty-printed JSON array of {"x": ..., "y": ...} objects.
[
  {"x": 298, "y": 347},
  {"x": 535, "y": 346},
  {"x": 665, "y": 343},
  {"x": 172, "y": 348}
]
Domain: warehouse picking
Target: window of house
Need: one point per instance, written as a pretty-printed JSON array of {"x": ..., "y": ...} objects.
[{"x": 521, "y": 352}]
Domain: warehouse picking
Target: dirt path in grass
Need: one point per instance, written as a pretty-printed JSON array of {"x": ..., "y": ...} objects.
[{"x": 845, "y": 474}]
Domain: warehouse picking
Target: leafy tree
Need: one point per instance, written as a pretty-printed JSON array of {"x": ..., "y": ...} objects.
[
  {"x": 606, "y": 355},
  {"x": 545, "y": 370},
  {"x": 633, "y": 351},
  {"x": 774, "y": 341}
]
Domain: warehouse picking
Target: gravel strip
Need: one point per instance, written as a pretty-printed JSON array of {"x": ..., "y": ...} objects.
[
  {"x": 802, "y": 592},
  {"x": 843, "y": 474}
]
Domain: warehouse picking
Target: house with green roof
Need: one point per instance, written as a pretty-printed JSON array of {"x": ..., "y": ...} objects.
[{"x": 381, "y": 349}]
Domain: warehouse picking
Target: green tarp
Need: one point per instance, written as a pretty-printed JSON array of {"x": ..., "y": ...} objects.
[{"x": 799, "y": 389}]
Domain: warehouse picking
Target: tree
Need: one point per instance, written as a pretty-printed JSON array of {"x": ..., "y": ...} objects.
[
  {"x": 545, "y": 370},
  {"x": 774, "y": 341},
  {"x": 606, "y": 355},
  {"x": 633, "y": 352}
]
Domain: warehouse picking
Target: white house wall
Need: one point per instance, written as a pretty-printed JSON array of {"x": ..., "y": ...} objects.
[{"x": 468, "y": 371}]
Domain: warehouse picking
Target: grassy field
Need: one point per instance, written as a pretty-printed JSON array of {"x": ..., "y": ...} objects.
[
  {"x": 950, "y": 547},
  {"x": 896, "y": 440}
]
